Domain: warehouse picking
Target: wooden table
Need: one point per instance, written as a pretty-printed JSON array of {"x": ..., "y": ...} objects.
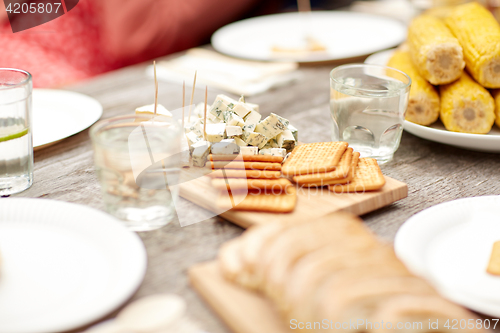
[{"x": 435, "y": 173}]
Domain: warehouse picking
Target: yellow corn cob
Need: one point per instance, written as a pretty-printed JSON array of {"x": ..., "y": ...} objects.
[
  {"x": 423, "y": 105},
  {"x": 496, "y": 96},
  {"x": 434, "y": 50},
  {"x": 479, "y": 34},
  {"x": 466, "y": 106}
]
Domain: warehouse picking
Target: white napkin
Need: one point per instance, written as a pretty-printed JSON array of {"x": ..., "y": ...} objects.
[{"x": 240, "y": 77}]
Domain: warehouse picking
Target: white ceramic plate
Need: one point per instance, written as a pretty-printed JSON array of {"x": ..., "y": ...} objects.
[
  {"x": 63, "y": 265},
  {"x": 450, "y": 245},
  {"x": 58, "y": 114},
  {"x": 345, "y": 35},
  {"x": 436, "y": 132}
]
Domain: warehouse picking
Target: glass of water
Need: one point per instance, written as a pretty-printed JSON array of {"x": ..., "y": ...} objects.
[
  {"x": 137, "y": 159},
  {"x": 368, "y": 105},
  {"x": 16, "y": 144}
]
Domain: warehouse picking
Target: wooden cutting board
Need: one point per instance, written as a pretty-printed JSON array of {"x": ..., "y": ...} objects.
[
  {"x": 311, "y": 204},
  {"x": 242, "y": 310}
]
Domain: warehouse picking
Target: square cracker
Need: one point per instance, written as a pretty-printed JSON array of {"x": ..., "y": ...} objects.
[
  {"x": 245, "y": 165},
  {"x": 314, "y": 158},
  {"x": 261, "y": 201},
  {"x": 340, "y": 172},
  {"x": 494, "y": 264},
  {"x": 238, "y": 184},
  {"x": 246, "y": 158},
  {"x": 350, "y": 175},
  {"x": 246, "y": 174},
  {"x": 367, "y": 177}
]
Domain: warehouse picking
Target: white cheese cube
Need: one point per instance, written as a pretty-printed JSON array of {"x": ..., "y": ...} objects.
[
  {"x": 251, "y": 120},
  {"x": 255, "y": 139},
  {"x": 240, "y": 142},
  {"x": 273, "y": 152},
  {"x": 233, "y": 131},
  {"x": 201, "y": 150},
  {"x": 225, "y": 147},
  {"x": 150, "y": 110},
  {"x": 215, "y": 132},
  {"x": 253, "y": 106},
  {"x": 287, "y": 140},
  {"x": 272, "y": 126},
  {"x": 249, "y": 150},
  {"x": 294, "y": 131},
  {"x": 241, "y": 109}
]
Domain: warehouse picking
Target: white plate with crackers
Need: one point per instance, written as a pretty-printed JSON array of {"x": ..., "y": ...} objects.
[
  {"x": 436, "y": 132},
  {"x": 452, "y": 245},
  {"x": 63, "y": 265}
]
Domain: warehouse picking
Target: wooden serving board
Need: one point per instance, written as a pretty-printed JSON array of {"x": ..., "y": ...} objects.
[
  {"x": 312, "y": 203},
  {"x": 242, "y": 310}
]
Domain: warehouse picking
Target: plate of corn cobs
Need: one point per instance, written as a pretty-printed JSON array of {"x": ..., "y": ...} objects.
[{"x": 453, "y": 58}]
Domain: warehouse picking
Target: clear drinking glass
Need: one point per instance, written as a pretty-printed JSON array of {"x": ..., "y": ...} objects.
[
  {"x": 368, "y": 105},
  {"x": 136, "y": 158},
  {"x": 16, "y": 143}
]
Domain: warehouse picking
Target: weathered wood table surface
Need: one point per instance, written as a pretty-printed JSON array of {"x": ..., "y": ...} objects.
[{"x": 434, "y": 173}]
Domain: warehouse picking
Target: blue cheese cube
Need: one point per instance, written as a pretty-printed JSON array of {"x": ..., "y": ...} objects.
[
  {"x": 253, "y": 106},
  {"x": 195, "y": 126},
  {"x": 295, "y": 132},
  {"x": 192, "y": 138},
  {"x": 201, "y": 150},
  {"x": 218, "y": 108},
  {"x": 225, "y": 147},
  {"x": 255, "y": 139},
  {"x": 273, "y": 142},
  {"x": 234, "y": 120},
  {"x": 272, "y": 126},
  {"x": 240, "y": 142},
  {"x": 249, "y": 150},
  {"x": 241, "y": 109},
  {"x": 226, "y": 99},
  {"x": 251, "y": 120},
  {"x": 216, "y": 132},
  {"x": 267, "y": 145},
  {"x": 287, "y": 140},
  {"x": 273, "y": 152},
  {"x": 232, "y": 131}
]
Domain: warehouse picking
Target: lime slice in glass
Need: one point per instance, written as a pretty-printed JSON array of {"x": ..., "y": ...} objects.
[{"x": 12, "y": 132}]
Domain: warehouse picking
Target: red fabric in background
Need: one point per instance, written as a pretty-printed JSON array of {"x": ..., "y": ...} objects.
[{"x": 101, "y": 35}]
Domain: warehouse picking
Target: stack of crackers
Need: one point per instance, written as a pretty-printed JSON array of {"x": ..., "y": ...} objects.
[
  {"x": 263, "y": 182},
  {"x": 333, "y": 164},
  {"x": 253, "y": 182},
  {"x": 334, "y": 268}
]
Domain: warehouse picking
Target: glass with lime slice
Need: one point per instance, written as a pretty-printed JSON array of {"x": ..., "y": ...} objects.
[{"x": 16, "y": 147}]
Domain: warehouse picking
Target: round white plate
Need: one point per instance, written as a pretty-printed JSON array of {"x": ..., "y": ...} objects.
[
  {"x": 436, "y": 132},
  {"x": 450, "y": 245},
  {"x": 345, "y": 35},
  {"x": 58, "y": 114},
  {"x": 63, "y": 265}
]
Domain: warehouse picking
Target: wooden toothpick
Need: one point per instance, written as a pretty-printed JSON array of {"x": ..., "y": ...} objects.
[
  {"x": 304, "y": 5},
  {"x": 205, "y": 116},
  {"x": 192, "y": 96},
  {"x": 156, "y": 88}
]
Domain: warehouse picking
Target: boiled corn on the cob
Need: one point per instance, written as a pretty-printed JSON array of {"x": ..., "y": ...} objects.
[
  {"x": 496, "y": 96},
  {"x": 479, "y": 34},
  {"x": 423, "y": 105},
  {"x": 466, "y": 106},
  {"x": 435, "y": 52}
]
